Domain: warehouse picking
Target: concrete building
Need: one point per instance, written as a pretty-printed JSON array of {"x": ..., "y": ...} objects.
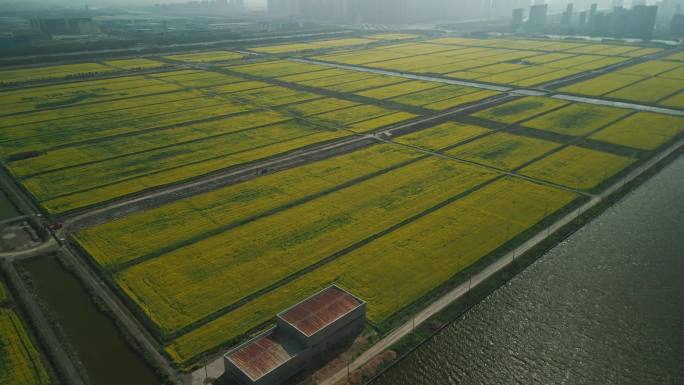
[
  {"x": 303, "y": 334},
  {"x": 517, "y": 21},
  {"x": 537, "y": 19}
]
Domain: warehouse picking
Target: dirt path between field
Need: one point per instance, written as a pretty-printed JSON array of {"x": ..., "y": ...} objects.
[{"x": 491, "y": 270}]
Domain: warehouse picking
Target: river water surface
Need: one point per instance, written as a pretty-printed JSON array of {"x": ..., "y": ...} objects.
[{"x": 606, "y": 306}]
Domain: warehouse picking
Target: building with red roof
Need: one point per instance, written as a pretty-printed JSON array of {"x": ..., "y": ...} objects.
[{"x": 303, "y": 333}]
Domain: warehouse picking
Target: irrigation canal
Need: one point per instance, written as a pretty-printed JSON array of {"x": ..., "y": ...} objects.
[
  {"x": 99, "y": 346},
  {"x": 602, "y": 307}
]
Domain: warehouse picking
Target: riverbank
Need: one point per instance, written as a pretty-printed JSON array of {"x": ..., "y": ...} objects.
[
  {"x": 604, "y": 313},
  {"x": 529, "y": 251}
]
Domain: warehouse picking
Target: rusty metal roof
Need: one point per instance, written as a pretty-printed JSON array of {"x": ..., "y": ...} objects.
[
  {"x": 264, "y": 354},
  {"x": 319, "y": 311}
]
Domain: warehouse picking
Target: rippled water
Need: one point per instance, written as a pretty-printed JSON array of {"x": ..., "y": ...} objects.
[{"x": 604, "y": 307}]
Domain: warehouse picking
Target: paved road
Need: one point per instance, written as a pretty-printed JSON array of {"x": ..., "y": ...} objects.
[
  {"x": 490, "y": 270},
  {"x": 48, "y": 246},
  {"x": 406, "y": 75}
]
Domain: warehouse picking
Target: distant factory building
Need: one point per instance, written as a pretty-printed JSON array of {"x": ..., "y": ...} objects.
[{"x": 303, "y": 333}]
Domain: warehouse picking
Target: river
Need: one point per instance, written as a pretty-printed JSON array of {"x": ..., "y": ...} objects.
[
  {"x": 606, "y": 306},
  {"x": 106, "y": 357}
]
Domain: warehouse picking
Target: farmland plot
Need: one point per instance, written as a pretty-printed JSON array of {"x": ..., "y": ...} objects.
[
  {"x": 20, "y": 362},
  {"x": 398, "y": 268},
  {"x": 442, "y": 136},
  {"x": 206, "y": 57},
  {"x": 134, "y": 64},
  {"x": 15, "y": 76},
  {"x": 286, "y": 242},
  {"x": 577, "y": 167},
  {"x": 62, "y": 95},
  {"x": 520, "y": 109},
  {"x": 643, "y": 130},
  {"x": 577, "y": 119},
  {"x": 147, "y": 232},
  {"x": 650, "y": 90},
  {"x": 602, "y": 84},
  {"x": 503, "y": 150}
]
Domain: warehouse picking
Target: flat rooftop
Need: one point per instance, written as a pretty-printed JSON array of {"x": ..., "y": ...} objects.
[
  {"x": 317, "y": 312},
  {"x": 266, "y": 353}
]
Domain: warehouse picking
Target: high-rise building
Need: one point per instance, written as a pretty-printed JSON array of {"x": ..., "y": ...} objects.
[
  {"x": 582, "y": 19},
  {"x": 517, "y": 21},
  {"x": 677, "y": 25},
  {"x": 566, "y": 18},
  {"x": 537, "y": 19},
  {"x": 641, "y": 21}
]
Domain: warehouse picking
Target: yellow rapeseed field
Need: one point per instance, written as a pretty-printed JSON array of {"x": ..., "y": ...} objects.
[
  {"x": 397, "y": 269},
  {"x": 520, "y": 109},
  {"x": 650, "y": 90},
  {"x": 52, "y": 72},
  {"x": 70, "y": 94},
  {"x": 577, "y": 119},
  {"x": 442, "y": 136},
  {"x": 148, "y": 231},
  {"x": 601, "y": 85},
  {"x": 503, "y": 150},
  {"x": 207, "y": 56},
  {"x": 380, "y": 122},
  {"x": 20, "y": 362},
  {"x": 434, "y": 95},
  {"x": 676, "y": 101},
  {"x": 134, "y": 64},
  {"x": 180, "y": 173},
  {"x": 195, "y": 281},
  {"x": 392, "y": 91},
  {"x": 643, "y": 130},
  {"x": 577, "y": 167}
]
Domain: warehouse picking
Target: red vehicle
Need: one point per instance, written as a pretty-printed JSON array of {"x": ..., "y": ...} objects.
[{"x": 55, "y": 226}]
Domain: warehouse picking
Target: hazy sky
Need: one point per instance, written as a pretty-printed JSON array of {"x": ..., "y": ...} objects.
[{"x": 79, "y": 3}]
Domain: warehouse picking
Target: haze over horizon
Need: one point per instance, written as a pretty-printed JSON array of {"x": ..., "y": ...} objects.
[{"x": 79, "y": 3}]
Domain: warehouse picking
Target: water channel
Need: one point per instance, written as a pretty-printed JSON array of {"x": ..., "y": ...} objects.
[
  {"x": 606, "y": 306},
  {"x": 105, "y": 356},
  {"x": 7, "y": 209}
]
